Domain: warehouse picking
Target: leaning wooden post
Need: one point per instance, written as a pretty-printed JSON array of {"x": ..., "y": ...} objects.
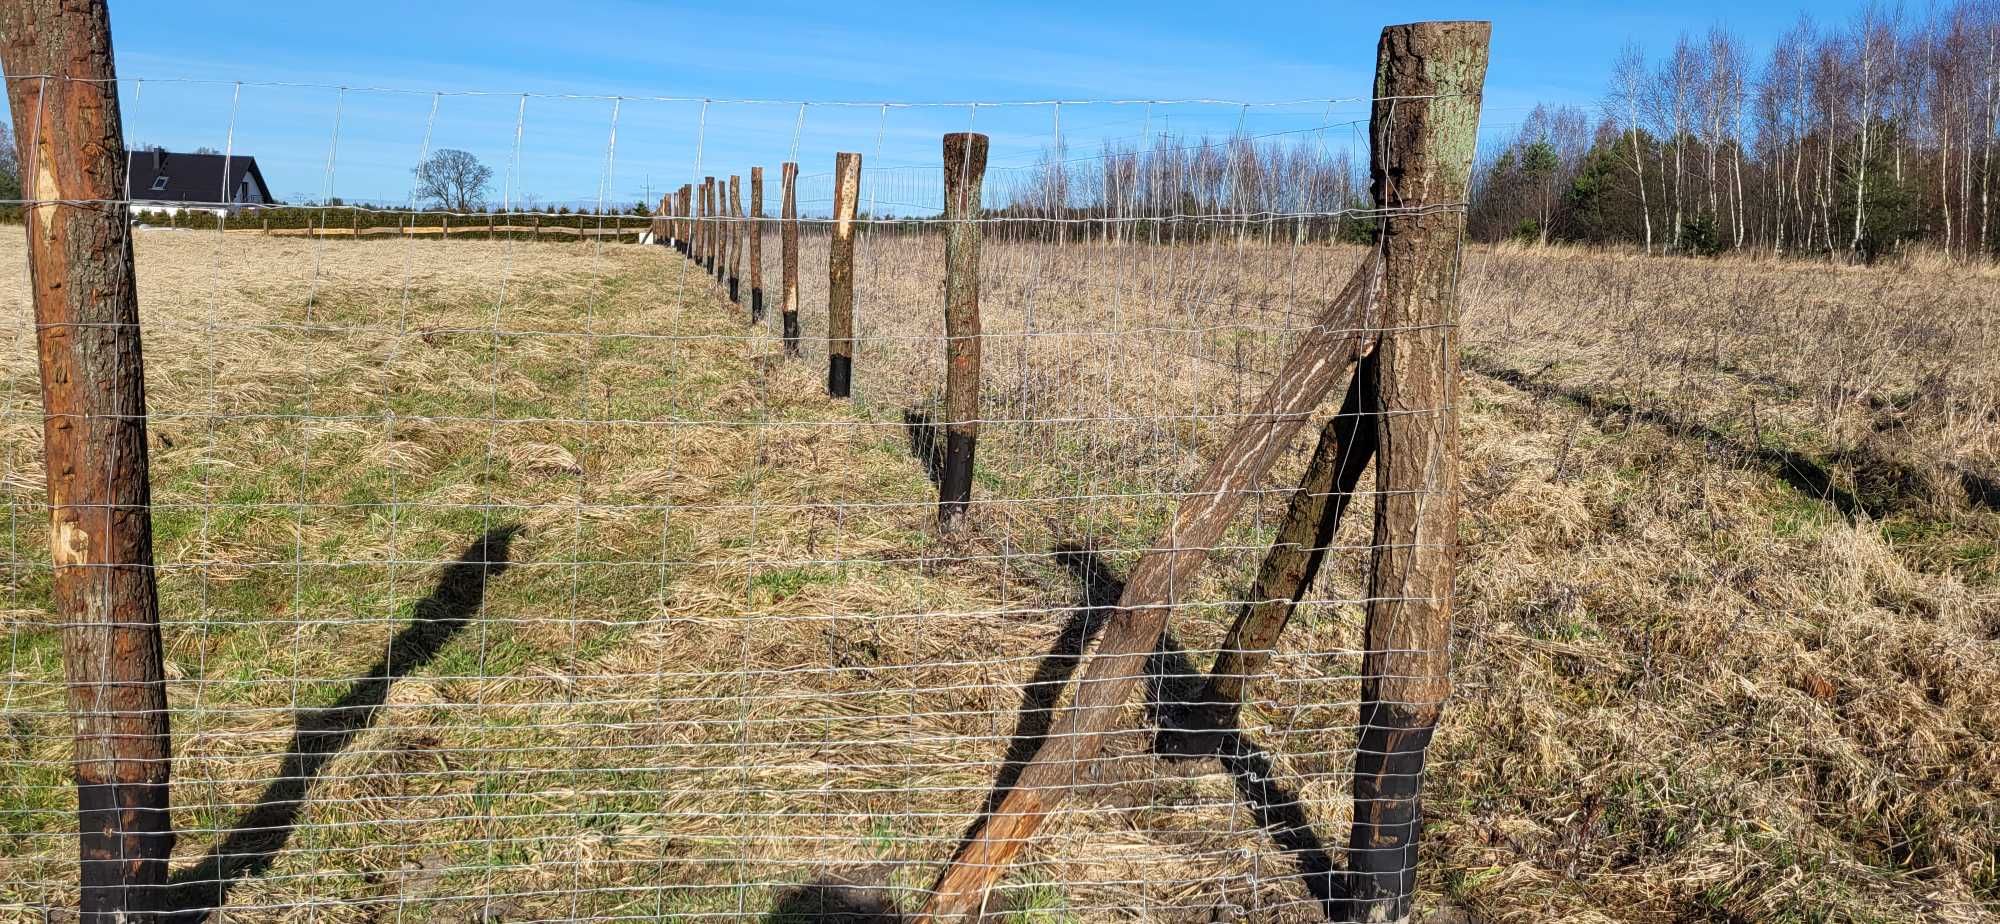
[
  {"x": 1312, "y": 517},
  {"x": 1132, "y": 632},
  {"x": 735, "y": 236},
  {"x": 788, "y": 256},
  {"x": 754, "y": 228},
  {"x": 1428, "y": 82},
  {"x": 72, "y": 153},
  {"x": 840, "y": 275},
  {"x": 964, "y": 175}
]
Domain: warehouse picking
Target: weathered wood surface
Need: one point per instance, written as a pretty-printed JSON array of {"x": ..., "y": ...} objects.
[
  {"x": 1428, "y": 82},
  {"x": 788, "y": 257},
  {"x": 840, "y": 276},
  {"x": 964, "y": 176},
  {"x": 72, "y": 156},
  {"x": 755, "y": 229},
  {"x": 1312, "y": 518}
]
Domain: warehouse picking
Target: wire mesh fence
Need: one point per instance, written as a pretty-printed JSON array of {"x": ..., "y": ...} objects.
[{"x": 508, "y": 575}]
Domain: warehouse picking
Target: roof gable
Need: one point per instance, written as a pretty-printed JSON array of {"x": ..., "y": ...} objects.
[{"x": 155, "y": 175}]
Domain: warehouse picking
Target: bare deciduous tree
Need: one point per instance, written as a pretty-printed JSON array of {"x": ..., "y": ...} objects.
[{"x": 452, "y": 179}]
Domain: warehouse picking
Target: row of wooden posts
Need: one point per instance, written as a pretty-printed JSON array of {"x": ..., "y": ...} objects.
[
  {"x": 1400, "y": 410},
  {"x": 707, "y": 223},
  {"x": 1397, "y": 415}
]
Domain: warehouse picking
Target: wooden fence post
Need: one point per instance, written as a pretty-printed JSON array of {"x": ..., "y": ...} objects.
[
  {"x": 686, "y": 224},
  {"x": 840, "y": 275},
  {"x": 755, "y": 230},
  {"x": 1428, "y": 83},
  {"x": 735, "y": 237},
  {"x": 673, "y": 201},
  {"x": 724, "y": 232},
  {"x": 71, "y": 150},
  {"x": 708, "y": 235},
  {"x": 788, "y": 256},
  {"x": 964, "y": 175}
]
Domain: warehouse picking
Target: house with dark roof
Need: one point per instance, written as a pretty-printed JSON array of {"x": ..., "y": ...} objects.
[{"x": 157, "y": 180}]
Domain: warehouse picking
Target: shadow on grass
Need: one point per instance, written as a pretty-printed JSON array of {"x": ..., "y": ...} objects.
[
  {"x": 1171, "y": 680},
  {"x": 922, "y": 429},
  {"x": 833, "y": 901},
  {"x": 1804, "y": 474},
  {"x": 252, "y": 845}
]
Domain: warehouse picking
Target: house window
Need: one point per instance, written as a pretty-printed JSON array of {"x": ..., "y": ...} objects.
[{"x": 159, "y": 183}]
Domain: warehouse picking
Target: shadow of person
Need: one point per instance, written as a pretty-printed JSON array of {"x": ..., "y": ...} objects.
[{"x": 253, "y": 843}]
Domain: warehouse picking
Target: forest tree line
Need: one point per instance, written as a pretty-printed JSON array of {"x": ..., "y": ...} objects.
[{"x": 1849, "y": 141}]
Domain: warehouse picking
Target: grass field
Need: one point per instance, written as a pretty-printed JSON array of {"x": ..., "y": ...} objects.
[{"x": 1728, "y": 643}]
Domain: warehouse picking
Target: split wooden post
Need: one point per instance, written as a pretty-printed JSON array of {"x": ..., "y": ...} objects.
[
  {"x": 734, "y": 235},
  {"x": 1133, "y": 630},
  {"x": 840, "y": 275},
  {"x": 71, "y": 149},
  {"x": 788, "y": 256},
  {"x": 754, "y": 228},
  {"x": 964, "y": 176},
  {"x": 1428, "y": 81}
]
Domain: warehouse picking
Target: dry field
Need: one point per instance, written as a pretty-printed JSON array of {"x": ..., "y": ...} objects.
[{"x": 1728, "y": 647}]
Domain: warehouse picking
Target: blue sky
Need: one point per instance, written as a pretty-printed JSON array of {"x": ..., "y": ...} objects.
[{"x": 360, "y": 144}]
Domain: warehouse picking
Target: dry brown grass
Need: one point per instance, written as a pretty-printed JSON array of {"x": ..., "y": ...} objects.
[{"x": 732, "y": 653}]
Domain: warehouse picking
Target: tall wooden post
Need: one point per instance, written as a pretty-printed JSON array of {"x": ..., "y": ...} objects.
[
  {"x": 788, "y": 256},
  {"x": 701, "y": 225},
  {"x": 687, "y": 226},
  {"x": 681, "y": 222},
  {"x": 735, "y": 236},
  {"x": 725, "y": 232},
  {"x": 964, "y": 176},
  {"x": 840, "y": 275},
  {"x": 1428, "y": 82},
  {"x": 755, "y": 229},
  {"x": 71, "y": 151}
]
